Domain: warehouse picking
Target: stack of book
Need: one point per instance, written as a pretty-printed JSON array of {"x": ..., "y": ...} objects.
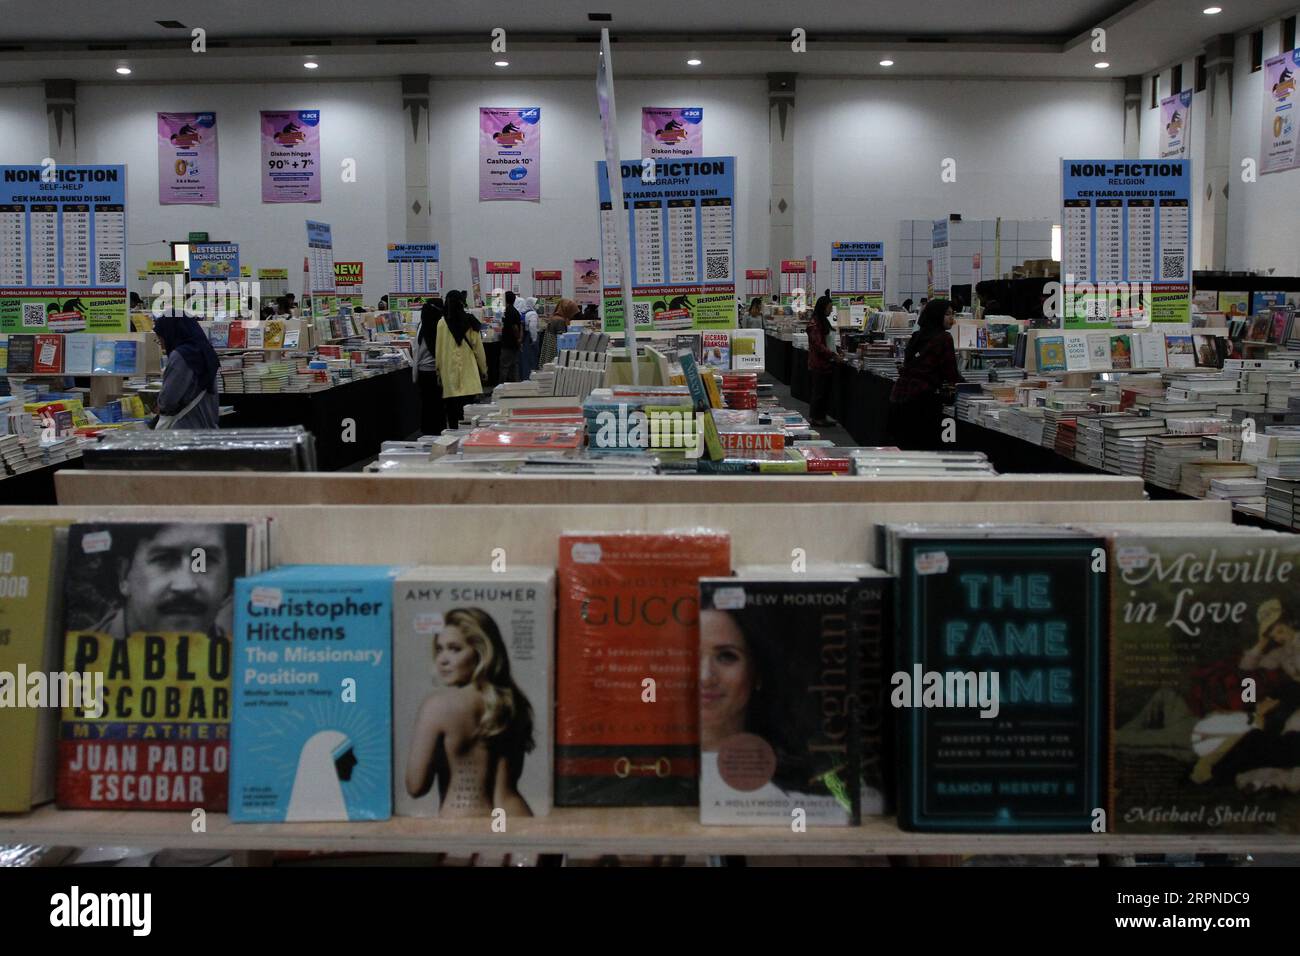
[
  {"x": 1196, "y": 476},
  {"x": 1090, "y": 441},
  {"x": 1282, "y": 502},
  {"x": 1278, "y": 468},
  {"x": 1166, "y": 455},
  {"x": 891, "y": 463}
]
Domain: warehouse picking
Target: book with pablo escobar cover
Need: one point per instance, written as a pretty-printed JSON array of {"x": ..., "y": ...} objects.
[{"x": 312, "y": 676}]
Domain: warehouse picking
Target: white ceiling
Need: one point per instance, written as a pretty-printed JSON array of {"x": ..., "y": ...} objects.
[{"x": 269, "y": 39}]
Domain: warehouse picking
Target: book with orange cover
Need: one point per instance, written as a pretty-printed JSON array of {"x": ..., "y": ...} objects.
[
  {"x": 629, "y": 614},
  {"x": 49, "y": 355},
  {"x": 522, "y": 436}
]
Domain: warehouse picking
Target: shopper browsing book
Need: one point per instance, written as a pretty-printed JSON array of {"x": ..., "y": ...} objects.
[
  {"x": 530, "y": 344},
  {"x": 425, "y": 367},
  {"x": 462, "y": 366},
  {"x": 512, "y": 337},
  {"x": 929, "y": 364},
  {"x": 188, "y": 398},
  {"x": 820, "y": 360},
  {"x": 559, "y": 324}
]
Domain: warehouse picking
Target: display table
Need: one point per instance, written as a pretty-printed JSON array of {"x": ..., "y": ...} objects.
[
  {"x": 381, "y": 408},
  {"x": 778, "y": 356}
]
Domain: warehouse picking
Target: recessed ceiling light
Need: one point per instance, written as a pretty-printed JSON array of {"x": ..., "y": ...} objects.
[
  {"x": 310, "y": 65},
  {"x": 1103, "y": 65},
  {"x": 123, "y": 71},
  {"x": 502, "y": 63},
  {"x": 693, "y": 62},
  {"x": 1211, "y": 11},
  {"x": 886, "y": 62}
]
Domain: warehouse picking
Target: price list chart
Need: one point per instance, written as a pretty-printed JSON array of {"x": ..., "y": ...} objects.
[
  {"x": 682, "y": 237},
  {"x": 414, "y": 268},
  {"x": 63, "y": 248},
  {"x": 858, "y": 271},
  {"x": 1126, "y": 233},
  {"x": 320, "y": 267}
]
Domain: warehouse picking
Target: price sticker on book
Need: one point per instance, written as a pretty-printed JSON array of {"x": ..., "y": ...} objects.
[
  {"x": 1132, "y": 557},
  {"x": 428, "y": 623},
  {"x": 266, "y": 597},
  {"x": 729, "y": 599},
  {"x": 586, "y": 552},
  {"x": 97, "y": 543},
  {"x": 931, "y": 562}
]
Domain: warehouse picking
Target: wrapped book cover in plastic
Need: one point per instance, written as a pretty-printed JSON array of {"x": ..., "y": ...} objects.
[
  {"x": 228, "y": 449},
  {"x": 627, "y": 664},
  {"x": 473, "y": 691}
]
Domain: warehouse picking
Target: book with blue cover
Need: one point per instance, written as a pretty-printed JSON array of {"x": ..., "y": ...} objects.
[
  {"x": 78, "y": 353},
  {"x": 124, "y": 356},
  {"x": 312, "y": 679}
]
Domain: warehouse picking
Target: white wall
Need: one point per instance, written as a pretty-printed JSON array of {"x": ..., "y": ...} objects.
[
  {"x": 24, "y": 133},
  {"x": 869, "y": 155},
  {"x": 1263, "y": 215},
  {"x": 563, "y": 226}
]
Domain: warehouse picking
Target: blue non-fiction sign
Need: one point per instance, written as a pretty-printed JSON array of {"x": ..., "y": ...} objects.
[
  {"x": 1129, "y": 222},
  {"x": 214, "y": 261},
  {"x": 63, "y": 226},
  {"x": 682, "y": 243},
  {"x": 413, "y": 267},
  {"x": 859, "y": 273}
]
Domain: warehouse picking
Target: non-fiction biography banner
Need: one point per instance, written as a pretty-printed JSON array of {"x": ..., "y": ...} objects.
[
  {"x": 291, "y": 156},
  {"x": 1126, "y": 242},
  {"x": 1176, "y": 125},
  {"x": 1281, "y": 141},
  {"x": 586, "y": 282},
  {"x": 187, "y": 159},
  {"x": 857, "y": 275},
  {"x": 63, "y": 249},
  {"x": 510, "y": 153},
  {"x": 683, "y": 244},
  {"x": 672, "y": 131}
]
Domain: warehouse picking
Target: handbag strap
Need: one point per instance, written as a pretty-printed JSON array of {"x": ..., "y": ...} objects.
[{"x": 169, "y": 421}]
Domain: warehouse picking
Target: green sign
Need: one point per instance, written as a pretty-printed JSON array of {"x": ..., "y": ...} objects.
[{"x": 198, "y": 237}]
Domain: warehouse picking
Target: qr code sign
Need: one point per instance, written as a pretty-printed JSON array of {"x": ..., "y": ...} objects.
[
  {"x": 1172, "y": 265},
  {"x": 110, "y": 270},
  {"x": 641, "y": 313},
  {"x": 717, "y": 265},
  {"x": 33, "y": 315}
]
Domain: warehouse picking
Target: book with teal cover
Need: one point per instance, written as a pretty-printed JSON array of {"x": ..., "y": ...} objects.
[
  {"x": 1051, "y": 353},
  {"x": 1031, "y": 611},
  {"x": 312, "y": 681},
  {"x": 125, "y": 352}
]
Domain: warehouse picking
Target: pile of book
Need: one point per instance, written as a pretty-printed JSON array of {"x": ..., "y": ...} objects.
[
  {"x": 1195, "y": 476},
  {"x": 1282, "y": 502},
  {"x": 894, "y": 463},
  {"x": 228, "y": 449}
]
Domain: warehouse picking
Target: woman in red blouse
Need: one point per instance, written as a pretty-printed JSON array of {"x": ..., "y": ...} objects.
[
  {"x": 929, "y": 363},
  {"x": 820, "y": 359}
]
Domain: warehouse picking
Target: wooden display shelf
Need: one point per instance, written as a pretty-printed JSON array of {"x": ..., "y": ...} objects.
[
  {"x": 261, "y": 488},
  {"x": 589, "y": 832}
]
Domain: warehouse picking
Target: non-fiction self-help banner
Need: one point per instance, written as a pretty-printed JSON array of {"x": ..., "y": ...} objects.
[
  {"x": 291, "y": 156},
  {"x": 63, "y": 249},
  {"x": 1126, "y": 241},
  {"x": 672, "y": 131},
  {"x": 187, "y": 158},
  {"x": 683, "y": 244},
  {"x": 1281, "y": 140},
  {"x": 510, "y": 153}
]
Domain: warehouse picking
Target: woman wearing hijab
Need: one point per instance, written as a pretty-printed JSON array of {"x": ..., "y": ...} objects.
[
  {"x": 424, "y": 368},
  {"x": 462, "y": 365},
  {"x": 530, "y": 346},
  {"x": 929, "y": 363},
  {"x": 188, "y": 398},
  {"x": 820, "y": 359}
]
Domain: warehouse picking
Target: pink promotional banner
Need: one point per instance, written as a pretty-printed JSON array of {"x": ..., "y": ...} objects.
[
  {"x": 510, "y": 153},
  {"x": 586, "y": 281},
  {"x": 187, "y": 159},
  {"x": 677, "y": 131},
  {"x": 291, "y": 156},
  {"x": 1281, "y": 144},
  {"x": 1175, "y": 125}
]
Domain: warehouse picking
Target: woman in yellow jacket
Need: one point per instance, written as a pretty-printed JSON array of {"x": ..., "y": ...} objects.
[{"x": 462, "y": 366}]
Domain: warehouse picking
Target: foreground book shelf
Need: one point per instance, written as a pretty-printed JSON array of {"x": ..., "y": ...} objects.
[{"x": 590, "y": 832}]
